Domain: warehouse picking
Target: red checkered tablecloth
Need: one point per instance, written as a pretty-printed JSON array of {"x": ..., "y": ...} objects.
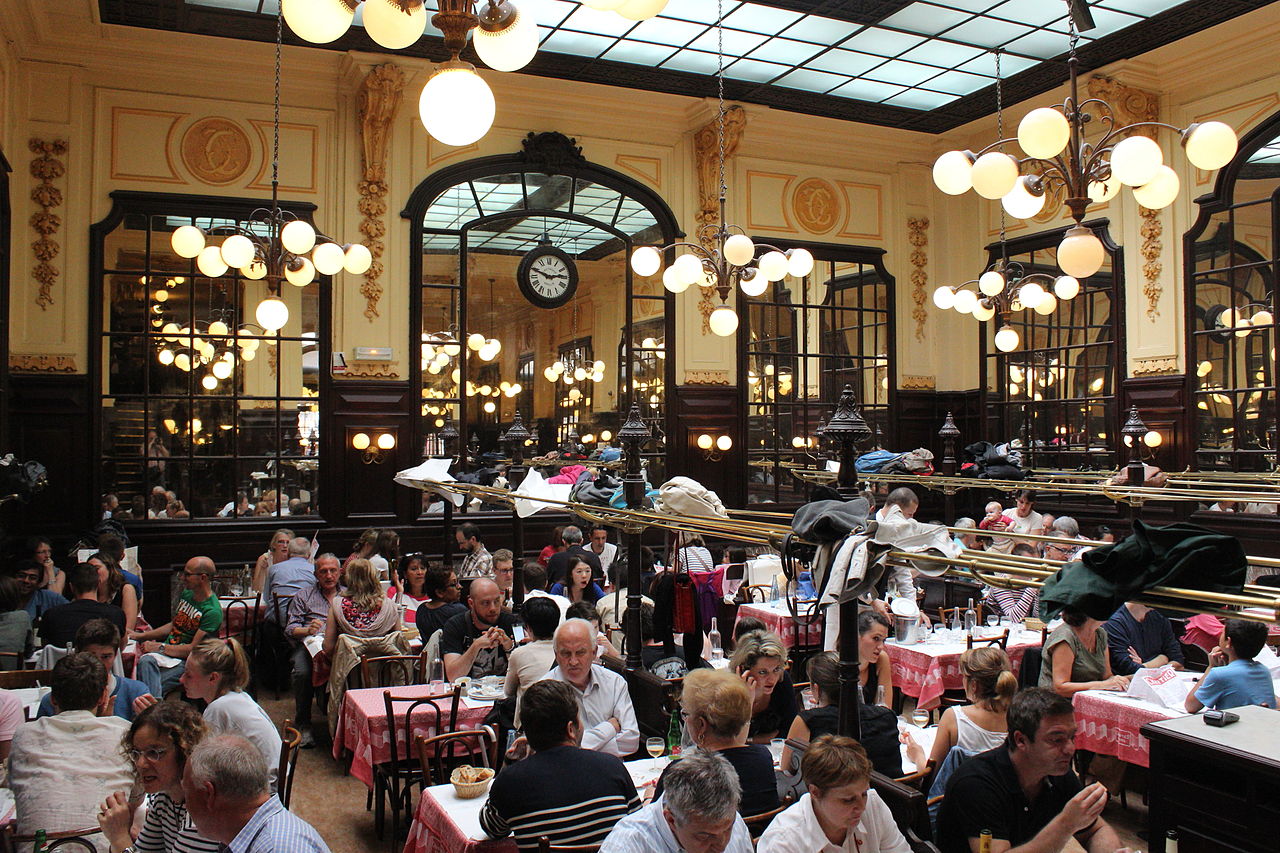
[
  {"x": 236, "y": 615},
  {"x": 1109, "y": 723},
  {"x": 927, "y": 670},
  {"x": 779, "y": 620},
  {"x": 365, "y": 732}
]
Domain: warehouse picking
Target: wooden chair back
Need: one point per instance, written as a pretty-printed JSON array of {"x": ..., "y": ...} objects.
[
  {"x": 758, "y": 823},
  {"x": 1001, "y": 640},
  {"x": 18, "y": 679},
  {"x": 12, "y": 661},
  {"x": 246, "y": 609},
  {"x": 290, "y": 746},
  {"x": 756, "y": 593},
  {"x": 440, "y": 754},
  {"x": 946, "y": 613},
  {"x": 545, "y": 846},
  {"x": 910, "y": 811},
  {"x": 391, "y": 670}
]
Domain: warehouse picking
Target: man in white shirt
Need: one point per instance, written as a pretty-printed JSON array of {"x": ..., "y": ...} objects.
[
  {"x": 535, "y": 584},
  {"x": 602, "y": 547},
  {"x": 608, "y": 718},
  {"x": 840, "y": 813},
  {"x": 697, "y": 813},
  {"x": 62, "y": 767}
]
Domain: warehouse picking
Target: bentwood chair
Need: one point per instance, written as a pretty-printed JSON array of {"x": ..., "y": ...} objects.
[
  {"x": 77, "y": 840},
  {"x": 440, "y": 754},
  {"x": 758, "y": 823},
  {"x": 1001, "y": 640},
  {"x": 391, "y": 670},
  {"x": 290, "y": 746},
  {"x": 12, "y": 661},
  {"x": 393, "y": 781},
  {"x": 755, "y": 593},
  {"x": 18, "y": 679},
  {"x": 945, "y": 613}
]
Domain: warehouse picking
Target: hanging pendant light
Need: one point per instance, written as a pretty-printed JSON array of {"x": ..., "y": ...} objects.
[{"x": 394, "y": 24}]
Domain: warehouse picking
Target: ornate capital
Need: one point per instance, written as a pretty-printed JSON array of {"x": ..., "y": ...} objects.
[
  {"x": 45, "y": 168},
  {"x": 379, "y": 100},
  {"x": 373, "y": 370},
  {"x": 1130, "y": 105},
  {"x": 1164, "y": 365},
  {"x": 42, "y": 363},
  {"x": 706, "y": 377},
  {"x": 919, "y": 383}
]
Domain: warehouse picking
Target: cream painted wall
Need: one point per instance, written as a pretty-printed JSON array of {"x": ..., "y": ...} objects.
[{"x": 124, "y": 98}]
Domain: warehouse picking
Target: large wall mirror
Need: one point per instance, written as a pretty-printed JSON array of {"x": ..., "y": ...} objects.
[
  {"x": 527, "y": 301},
  {"x": 1233, "y": 256},
  {"x": 1056, "y": 391}
]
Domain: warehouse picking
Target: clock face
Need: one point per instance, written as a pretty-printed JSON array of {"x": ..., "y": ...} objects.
[{"x": 547, "y": 276}]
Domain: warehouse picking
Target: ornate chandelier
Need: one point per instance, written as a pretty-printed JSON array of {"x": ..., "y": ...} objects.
[
  {"x": 724, "y": 257},
  {"x": 1060, "y": 159},
  {"x": 273, "y": 244}
]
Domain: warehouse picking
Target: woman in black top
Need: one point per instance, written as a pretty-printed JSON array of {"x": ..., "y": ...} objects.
[
  {"x": 716, "y": 708},
  {"x": 760, "y": 660},
  {"x": 442, "y": 586},
  {"x": 875, "y": 669}
]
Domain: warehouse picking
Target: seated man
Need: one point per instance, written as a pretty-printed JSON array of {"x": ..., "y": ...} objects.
[
  {"x": 228, "y": 796},
  {"x": 476, "y": 643},
  {"x": 535, "y": 586},
  {"x": 1234, "y": 678},
  {"x": 62, "y": 767},
  {"x": 307, "y": 614},
  {"x": 34, "y": 600},
  {"x": 840, "y": 811},
  {"x": 198, "y": 615},
  {"x": 101, "y": 639},
  {"x": 504, "y": 574},
  {"x": 60, "y": 624},
  {"x": 286, "y": 578},
  {"x": 568, "y": 794},
  {"x": 608, "y": 718},
  {"x": 1024, "y": 792},
  {"x": 698, "y": 811},
  {"x": 1139, "y": 637}
]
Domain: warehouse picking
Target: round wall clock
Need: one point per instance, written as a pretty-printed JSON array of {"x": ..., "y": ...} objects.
[{"x": 547, "y": 276}]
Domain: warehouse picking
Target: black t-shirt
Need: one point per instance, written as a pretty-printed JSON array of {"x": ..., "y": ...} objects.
[
  {"x": 778, "y": 714},
  {"x": 879, "y": 727},
  {"x": 59, "y": 624},
  {"x": 460, "y": 631},
  {"x": 759, "y": 781},
  {"x": 558, "y": 565},
  {"x": 429, "y": 620},
  {"x": 984, "y": 793}
]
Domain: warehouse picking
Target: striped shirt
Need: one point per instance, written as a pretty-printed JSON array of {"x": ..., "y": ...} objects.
[
  {"x": 168, "y": 829},
  {"x": 568, "y": 794}
]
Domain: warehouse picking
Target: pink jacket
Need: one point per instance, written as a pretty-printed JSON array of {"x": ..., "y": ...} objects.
[{"x": 568, "y": 474}]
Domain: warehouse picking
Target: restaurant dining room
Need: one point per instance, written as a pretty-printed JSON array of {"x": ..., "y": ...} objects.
[{"x": 443, "y": 426}]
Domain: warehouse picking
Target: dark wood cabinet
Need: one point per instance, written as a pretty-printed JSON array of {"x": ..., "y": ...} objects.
[{"x": 1218, "y": 787}]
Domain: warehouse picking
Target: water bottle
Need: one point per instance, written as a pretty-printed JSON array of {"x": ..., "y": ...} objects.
[
  {"x": 717, "y": 650},
  {"x": 956, "y": 626},
  {"x": 970, "y": 620},
  {"x": 435, "y": 675}
]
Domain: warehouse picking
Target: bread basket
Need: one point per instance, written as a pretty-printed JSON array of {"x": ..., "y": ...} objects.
[{"x": 470, "y": 782}]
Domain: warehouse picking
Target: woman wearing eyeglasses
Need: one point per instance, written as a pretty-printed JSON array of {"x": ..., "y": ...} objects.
[{"x": 158, "y": 744}]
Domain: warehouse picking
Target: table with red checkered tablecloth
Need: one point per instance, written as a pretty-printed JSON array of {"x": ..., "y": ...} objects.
[
  {"x": 777, "y": 617},
  {"x": 926, "y": 670},
  {"x": 1109, "y": 722},
  {"x": 365, "y": 732}
]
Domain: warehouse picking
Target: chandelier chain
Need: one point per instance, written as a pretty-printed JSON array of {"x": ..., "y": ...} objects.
[
  {"x": 1071, "y": 29},
  {"x": 724, "y": 189},
  {"x": 1000, "y": 133},
  {"x": 275, "y": 124}
]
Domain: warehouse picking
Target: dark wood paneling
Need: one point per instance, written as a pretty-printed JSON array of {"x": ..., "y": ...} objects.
[
  {"x": 715, "y": 410},
  {"x": 1162, "y": 404},
  {"x": 353, "y": 492},
  {"x": 50, "y": 423}
]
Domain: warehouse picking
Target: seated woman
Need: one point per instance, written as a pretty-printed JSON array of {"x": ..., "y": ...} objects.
[
  {"x": 555, "y": 546},
  {"x": 989, "y": 685},
  {"x": 158, "y": 744},
  {"x": 1076, "y": 657},
  {"x": 217, "y": 672},
  {"x": 114, "y": 589},
  {"x": 760, "y": 660},
  {"x": 717, "y": 708},
  {"x": 411, "y": 583},
  {"x": 879, "y": 724},
  {"x": 839, "y": 811},
  {"x": 361, "y": 609},
  {"x": 875, "y": 670},
  {"x": 15, "y": 625},
  {"x": 531, "y": 661},
  {"x": 442, "y": 604},
  {"x": 580, "y": 586}
]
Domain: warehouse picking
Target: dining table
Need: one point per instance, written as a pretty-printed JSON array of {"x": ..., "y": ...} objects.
[
  {"x": 927, "y": 669},
  {"x": 777, "y": 617},
  {"x": 447, "y": 823},
  {"x": 239, "y": 614}
]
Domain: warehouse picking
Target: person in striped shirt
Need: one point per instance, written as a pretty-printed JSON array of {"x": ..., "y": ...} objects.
[
  {"x": 568, "y": 794},
  {"x": 158, "y": 743}
]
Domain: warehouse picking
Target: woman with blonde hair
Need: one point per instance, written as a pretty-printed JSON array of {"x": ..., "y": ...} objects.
[
  {"x": 362, "y": 622},
  {"x": 217, "y": 672},
  {"x": 277, "y": 552},
  {"x": 760, "y": 660},
  {"x": 157, "y": 746},
  {"x": 989, "y": 685},
  {"x": 717, "y": 710}
]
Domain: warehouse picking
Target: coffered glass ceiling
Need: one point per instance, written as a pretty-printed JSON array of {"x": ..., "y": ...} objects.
[{"x": 908, "y": 58}]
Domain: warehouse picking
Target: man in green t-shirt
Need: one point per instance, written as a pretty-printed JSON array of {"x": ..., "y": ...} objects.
[{"x": 198, "y": 615}]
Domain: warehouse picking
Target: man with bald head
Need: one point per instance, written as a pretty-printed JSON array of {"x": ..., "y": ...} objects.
[
  {"x": 477, "y": 642},
  {"x": 607, "y": 715},
  {"x": 198, "y": 615}
]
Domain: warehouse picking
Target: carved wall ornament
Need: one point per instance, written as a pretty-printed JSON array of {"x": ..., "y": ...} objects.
[
  {"x": 706, "y": 161},
  {"x": 1163, "y": 365},
  {"x": 815, "y": 205},
  {"x": 42, "y": 363},
  {"x": 46, "y": 168},
  {"x": 373, "y": 370},
  {"x": 215, "y": 150},
  {"x": 918, "y": 235},
  {"x": 706, "y": 377},
  {"x": 379, "y": 100},
  {"x": 551, "y": 151},
  {"x": 1151, "y": 230},
  {"x": 919, "y": 383}
]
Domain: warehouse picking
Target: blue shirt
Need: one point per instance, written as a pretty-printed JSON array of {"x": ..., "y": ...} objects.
[
  {"x": 126, "y": 690},
  {"x": 1239, "y": 683},
  {"x": 41, "y": 600},
  {"x": 286, "y": 578},
  {"x": 1150, "y": 638},
  {"x": 274, "y": 829}
]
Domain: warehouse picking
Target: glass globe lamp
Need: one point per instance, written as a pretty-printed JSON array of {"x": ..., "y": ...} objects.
[
  {"x": 318, "y": 21},
  {"x": 187, "y": 241},
  {"x": 392, "y": 27},
  {"x": 506, "y": 45},
  {"x": 1043, "y": 133},
  {"x": 272, "y": 314},
  {"x": 723, "y": 321},
  {"x": 1006, "y": 339},
  {"x": 1210, "y": 145},
  {"x": 1081, "y": 253},
  {"x": 456, "y": 105}
]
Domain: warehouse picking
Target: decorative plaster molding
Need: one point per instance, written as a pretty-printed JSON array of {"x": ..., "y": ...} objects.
[
  {"x": 919, "y": 383},
  {"x": 706, "y": 377},
  {"x": 918, "y": 234},
  {"x": 216, "y": 150},
  {"x": 1163, "y": 365},
  {"x": 379, "y": 100},
  {"x": 1152, "y": 229},
  {"x": 707, "y": 151},
  {"x": 45, "y": 167},
  {"x": 815, "y": 204},
  {"x": 42, "y": 363},
  {"x": 373, "y": 370}
]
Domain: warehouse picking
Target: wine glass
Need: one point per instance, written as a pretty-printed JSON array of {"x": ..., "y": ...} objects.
[
  {"x": 656, "y": 746},
  {"x": 920, "y": 716},
  {"x": 992, "y": 620}
]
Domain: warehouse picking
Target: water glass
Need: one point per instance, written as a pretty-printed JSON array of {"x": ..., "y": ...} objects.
[
  {"x": 775, "y": 747},
  {"x": 993, "y": 621}
]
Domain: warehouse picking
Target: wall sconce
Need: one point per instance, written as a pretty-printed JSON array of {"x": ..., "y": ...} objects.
[
  {"x": 374, "y": 450},
  {"x": 714, "y": 447}
]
